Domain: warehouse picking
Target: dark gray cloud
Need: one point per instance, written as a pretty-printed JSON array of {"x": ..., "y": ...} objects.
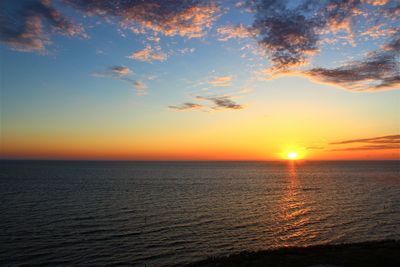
[
  {"x": 373, "y": 143},
  {"x": 287, "y": 35},
  {"x": 189, "y": 18},
  {"x": 377, "y": 71},
  {"x": 222, "y": 102},
  {"x": 290, "y": 33},
  {"x": 27, "y": 25},
  {"x": 186, "y": 106}
]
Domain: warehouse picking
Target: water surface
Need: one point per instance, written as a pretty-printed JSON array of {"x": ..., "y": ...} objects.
[{"x": 168, "y": 213}]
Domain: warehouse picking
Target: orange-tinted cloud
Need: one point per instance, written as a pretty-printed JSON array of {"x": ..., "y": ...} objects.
[
  {"x": 185, "y": 18},
  {"x": 221, "y": 81},
  {"x": 234, "y": 31},
  {"x": 148, "y": 54}
]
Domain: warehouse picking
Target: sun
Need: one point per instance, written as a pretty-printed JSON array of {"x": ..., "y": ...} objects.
[{"x": 292, "y": 155}]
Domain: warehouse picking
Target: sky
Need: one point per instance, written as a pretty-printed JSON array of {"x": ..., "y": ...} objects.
[{"x": 200, "y": 79}]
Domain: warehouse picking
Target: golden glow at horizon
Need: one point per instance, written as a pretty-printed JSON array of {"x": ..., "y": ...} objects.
[{"x": 292, "y": 155}]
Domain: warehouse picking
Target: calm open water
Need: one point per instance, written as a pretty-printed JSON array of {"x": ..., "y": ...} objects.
[{"x": 170, "y": 213}]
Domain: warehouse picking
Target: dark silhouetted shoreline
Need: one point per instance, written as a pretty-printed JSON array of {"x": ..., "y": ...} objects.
[{"x": 378, "y": 253}]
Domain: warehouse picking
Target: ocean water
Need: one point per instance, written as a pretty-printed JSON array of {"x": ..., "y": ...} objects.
[{"x": 171, "y": 213}]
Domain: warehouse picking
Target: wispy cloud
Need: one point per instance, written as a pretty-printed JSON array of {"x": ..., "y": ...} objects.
[
  {"x": 148, "y": 54},
  {"x": 375, "y": 140},
  {"x": 373, "y": 143},
  {"x": 369, "y": 147},
  {"x": 114, "y": 71},
  {"x": 186, "y": 50},
  {"x": 123, "y": 73},
  {"x": 140, "y": 87},
  {"x": 27, "y": 26},
  {"x": 222, "y": 102},
  {"x": 234, "y": 31},
  {"x": 186, "y": 106},
  {"x": 215, "y": 103},
  {"x": 221, "y": 81}
]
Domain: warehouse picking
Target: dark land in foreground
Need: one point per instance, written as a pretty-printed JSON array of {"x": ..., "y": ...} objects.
[{"x": 378, "y": 253}]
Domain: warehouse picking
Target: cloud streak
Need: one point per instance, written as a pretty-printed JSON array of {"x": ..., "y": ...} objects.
[
  {"x": 217, "y": 103},
  {"x": 373, "y": 143},
  {"x": 222, "y": 102},
  {"x": 140, "y": 87},
  {"x": 186, "y": 106},
  {"x": 114, "y": 71},
  {"x": 122, "y": 73},
  {"x": 380, "y": 140},
  {"x": 221, "y": 81},
  {"x": 378, "y": 71}
]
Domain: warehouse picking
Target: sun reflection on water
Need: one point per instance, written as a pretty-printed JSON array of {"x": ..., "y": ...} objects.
[{"x": 294, "y": 210}]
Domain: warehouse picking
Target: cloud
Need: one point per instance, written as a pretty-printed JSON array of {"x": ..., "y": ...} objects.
[
  {"x": 186, "y": 106},
  {"x": 148, "y": 54},
  {"x": 376, "y": 2},
  {"x": 287, "y": 35},
  {"x": 186, "y": 50},
  {"x": 379, "y": 70},
  {"x": 291, "y": 33},
  {"x": 222, "y": 102},
  {"x": 120, "y": 71},
  {"x": 190, "y": 18},
  {"x": 374, "y": 143},
  {"x": 28, "y": 25},
  {"x": 114, "y": 71},
  {"x": 221, "y": 81},
  {"x": 140, "y": 87},
  {"x": 233, "y": 31},
  {"x": 375, "y": 140},
  {"x": 369, "y": 147}
]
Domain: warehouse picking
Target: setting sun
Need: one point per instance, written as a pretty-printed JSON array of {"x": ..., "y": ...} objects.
[{"x": 292, "y": 155}]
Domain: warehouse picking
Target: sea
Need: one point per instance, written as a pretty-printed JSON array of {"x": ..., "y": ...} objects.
[{"x": 122, "y": 213}]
